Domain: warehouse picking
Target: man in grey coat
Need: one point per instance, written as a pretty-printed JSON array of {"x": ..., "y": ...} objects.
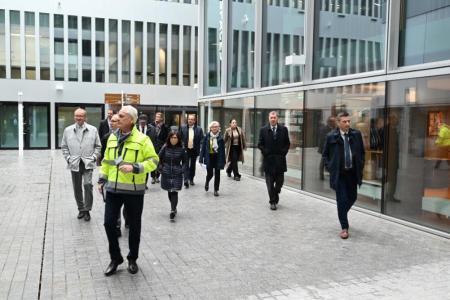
[{"x": 81, "y": 147}]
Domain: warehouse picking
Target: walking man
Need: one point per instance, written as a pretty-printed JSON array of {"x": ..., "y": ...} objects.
[
  {"x": 81, "y": 148},
  {"x": 191, "y": 135},
  {"x": 129, "y": 157},
  {"x": 105, "y": 126},
  {"x": 274, "y": 145},
  {"x": 343, "y": 156},
  {"x": 161, "y": 132}
]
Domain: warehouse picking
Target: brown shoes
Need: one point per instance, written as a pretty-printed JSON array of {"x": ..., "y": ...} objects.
[{"x": 344, "y": 234}]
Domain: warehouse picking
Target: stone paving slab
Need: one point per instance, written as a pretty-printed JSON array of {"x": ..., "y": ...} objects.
[{"x": 227, "y": 247}]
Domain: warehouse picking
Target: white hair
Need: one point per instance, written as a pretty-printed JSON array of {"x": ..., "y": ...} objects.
[
  {"x": 213, "y": 123},
  {"x": 131, "y": 111}
]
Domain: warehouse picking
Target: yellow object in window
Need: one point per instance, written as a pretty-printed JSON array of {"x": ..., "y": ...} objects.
[{"x": 443, "y": 138}]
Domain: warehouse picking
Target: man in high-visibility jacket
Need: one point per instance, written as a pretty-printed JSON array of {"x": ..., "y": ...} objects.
[{"x": 129, "y": 156}]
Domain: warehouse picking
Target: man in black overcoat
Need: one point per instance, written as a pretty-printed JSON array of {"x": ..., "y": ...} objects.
[
  {"x": 274, "y": 145},
  {"x": 191, "y": 136},
  {"x": 343, "y": 156}
]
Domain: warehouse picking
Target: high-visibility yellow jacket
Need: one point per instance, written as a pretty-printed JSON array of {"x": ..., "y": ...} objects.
[
  {"x": 137, "y": 150},
  {"x": 443, "y": 138}
]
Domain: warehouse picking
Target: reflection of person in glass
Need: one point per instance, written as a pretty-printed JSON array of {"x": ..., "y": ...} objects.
[
  {"x": 274, "y": 144},
  {"x": 212, "y": 154},
  {"x": 343, "y": 156},
  {"x": 234, "y": 147},
  {"x": 323, "y": 132}
]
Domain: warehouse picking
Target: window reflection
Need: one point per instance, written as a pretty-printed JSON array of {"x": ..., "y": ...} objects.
[
  {"x": 86, "y": 49},
  {"x": 2, "y": 45},
  {"x": 418, "y": 164},
  {"x": 30, "y": 41},
  {"x": 213, "y": 48},
  {"x": 14, "y": 19},
  {"x": 99, "y": 50},
  {"x": 346, "y": 43},
  {"x": 73, "y": 48},
  {"x": 113, "y": 51},
  {"x": 126, "y": 59},
  {"x": 138, "y": 51},
  {"x": 151, "y": 53}
]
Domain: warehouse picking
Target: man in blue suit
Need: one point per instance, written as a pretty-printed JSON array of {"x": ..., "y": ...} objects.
[
  {"x": 191, "y": 136},
  {"x": 343, "y": 156}
]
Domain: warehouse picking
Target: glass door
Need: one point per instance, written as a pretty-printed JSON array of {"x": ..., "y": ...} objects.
[
  {"x": 9, "y": 130},
  {"x": 36, "y": 127}
]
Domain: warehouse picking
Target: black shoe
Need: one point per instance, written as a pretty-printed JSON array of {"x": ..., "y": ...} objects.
[
  {"x": 87, "y": 216},
  {"x": 157, "y": 180},
  {"x": 237, "y": 178},
  {"x": 186, "y": 184},
  {"x": 273, "y": 206},
  {"x": 229, "y": 174},
  {"x": 118, "y": 232},
  {"x": 146, "y": 187},
  {"x": 132, "y": 266},
  {"x": 112, "y": 267},
  {"x": 172, "y": 215},
  {"x": 153, "y": 180},
  {"x": 206, "y": 187},
  {"x": 80, "y": 215},
  {"x": 216, "y": 193},
  {"x": 191, "y": 182}
]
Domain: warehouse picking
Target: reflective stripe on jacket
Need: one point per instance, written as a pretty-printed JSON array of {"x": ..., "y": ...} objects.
[{"x": 137, "y": 151}]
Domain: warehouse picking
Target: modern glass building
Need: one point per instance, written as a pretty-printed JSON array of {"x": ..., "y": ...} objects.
[
  {"x": 385, "y": 62},
  {"x": 58, "y": 55}
]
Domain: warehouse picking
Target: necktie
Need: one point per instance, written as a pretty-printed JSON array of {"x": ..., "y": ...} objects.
[
  {"x": 274, "y": 132},
  {"x": 347, "y": 156},
  {"x": 143, "y": 129}
]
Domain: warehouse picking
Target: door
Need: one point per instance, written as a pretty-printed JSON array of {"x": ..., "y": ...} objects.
[{"x": 36, "y": 125}]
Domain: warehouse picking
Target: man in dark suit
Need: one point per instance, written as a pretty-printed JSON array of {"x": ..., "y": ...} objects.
[
  {"x": 191, "y": 136},
  {"x": 105, "y": 125},
  {"x": 161, "y": 133},
  {"x": 343, "y": 156},
  {"x": 274, "y": 144}
]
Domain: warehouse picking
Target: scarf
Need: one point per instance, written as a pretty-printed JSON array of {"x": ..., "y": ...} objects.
[{"x": 213, "y": 141}]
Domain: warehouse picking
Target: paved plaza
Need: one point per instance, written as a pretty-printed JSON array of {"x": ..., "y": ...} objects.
[{"x": 227, "y": 247}]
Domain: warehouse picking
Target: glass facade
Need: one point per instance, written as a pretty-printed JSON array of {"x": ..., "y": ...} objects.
[
  {"x": 138, "y": 54},
  {"x": 30, "y": 42},
  {"x": 36, "y": 125},
  {"x": 241, "y": 45},
  {"x": 346, "y": 43},
  {"x": 365, "y": 103},
  {"x": 423, "y": 31},
  {"x": 162, "y": 53},
  {"x": 113, "y": 51},
  {"x": 283, "y": 41},
  {"x": 44, "y": 46},
  {"x": 14, "y": 20},
  {"x": 175, "y": 61},
  {"x": 151, "y": 58},
  {"x": 73, "y": 47},
  {"x": 9, "y": 129},
  {"x": 58, "y": 25},
  {"x": 418, "y": 151},
  {"x": 126, "y": 54},
  {"x": 2, "y": 45},
  {"x": 86, "y": 36},
  {"x": 213, "y": 46},
  {"x": 99, "y": 50}
]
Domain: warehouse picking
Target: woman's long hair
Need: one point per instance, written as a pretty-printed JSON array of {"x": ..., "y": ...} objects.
[{"x": 171, "y": 134}]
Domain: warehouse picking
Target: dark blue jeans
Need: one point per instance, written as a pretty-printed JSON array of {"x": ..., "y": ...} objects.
[
  {"x": 346, "y": 194},
  {"x": 134, "y": 205}
]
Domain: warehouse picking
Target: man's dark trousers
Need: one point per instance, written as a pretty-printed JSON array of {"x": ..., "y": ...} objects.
[
  {"x": 274, "y": 184},
  {"x": 346, "y": 194},
  {"x": 134, "y": 205},
  {"x": 192, "y": 159}
]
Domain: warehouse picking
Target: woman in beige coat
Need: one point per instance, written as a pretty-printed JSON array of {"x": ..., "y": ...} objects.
[{"x": 234, "y": 147}]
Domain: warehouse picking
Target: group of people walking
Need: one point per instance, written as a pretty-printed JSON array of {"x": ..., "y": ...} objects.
[{"x": 129, "y": 148}]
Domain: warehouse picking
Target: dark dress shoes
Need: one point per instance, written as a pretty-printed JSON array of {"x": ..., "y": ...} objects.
[
  {"x": 206, "y": 187},
  {"x": 87, "y": 216},
  {"x": 186, "y": 184},
  {"x": 80, "y": 215},
  {"x": 229, "y": 174},
  {"x": 273, "y": 206},
  {"x": 153, "y": 180},
  {"x": 118, "y": 232},
  {"x": 112, "y": 267},
  {"x": 132, "y": 266},
  {"x": 191, "y": 182},
  {"x": 237, "y": 178},
  {"x": 216, "y": 193},
  {"x": 172, "y": 215}
]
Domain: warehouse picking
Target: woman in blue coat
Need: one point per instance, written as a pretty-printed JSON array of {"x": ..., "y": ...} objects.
[
  {"x": 172, "y": 166},
  {"x": 212, "y": 154}
]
